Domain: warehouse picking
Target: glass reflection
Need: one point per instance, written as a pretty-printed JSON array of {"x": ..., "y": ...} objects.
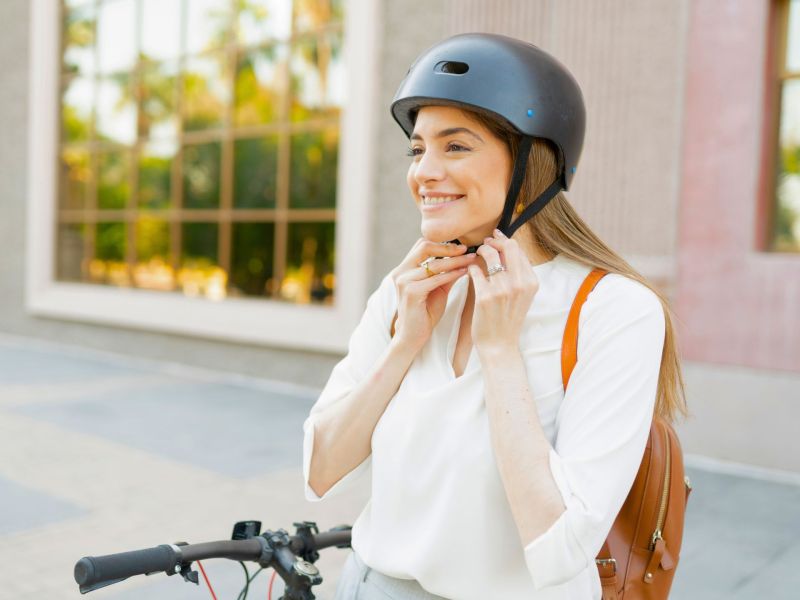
[
  {"x": 113, "y": 181},
  {"x": 787, "y": 214},
  {"x": 317, "y": 76},
  {"x": 155, "y": 174},
  {"x": 314, "y": 14},
  {"x": 263, "y": 20},
  {"x": 76, "y": 109},
  {"x": 109, "y": 265},
  {"x": 208, "y": 23},
  {"x": 255, "y": 172},
  {"x": 201, "y": 171},
  {"x": 161, "y": 29},
  {"x": 158, "y": 93},
  {"x": 116, "y": 36},
  {"x": 313, "y": 169},
  {"x": 309, "y": 263},
  {"x": 71, "y": 254},
  {"x": 252, "y": 259},
  {"x": 200, "y": 275},
  {"x": 259, "y": 76},
  {"x": 152, "y": 270},
  {"x": 116, "y": 110},
  {"x": 75, "y": 176},
  {"x": 78, "y": 40},
  {"x": 205, "y": 92}
]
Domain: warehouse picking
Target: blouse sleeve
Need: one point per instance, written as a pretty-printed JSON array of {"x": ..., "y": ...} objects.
[
  {"x": 366, "y": 345},
  {"x": 602, "y": 425}
]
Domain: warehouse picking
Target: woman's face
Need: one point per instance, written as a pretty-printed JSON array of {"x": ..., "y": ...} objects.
[{"x": 458, "y": 177}]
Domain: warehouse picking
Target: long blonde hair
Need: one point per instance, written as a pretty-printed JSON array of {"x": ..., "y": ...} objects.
[{"x": 557, "y": 229}]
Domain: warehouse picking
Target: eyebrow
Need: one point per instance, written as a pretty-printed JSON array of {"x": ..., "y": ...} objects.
[{"x": 448, "y": 132}]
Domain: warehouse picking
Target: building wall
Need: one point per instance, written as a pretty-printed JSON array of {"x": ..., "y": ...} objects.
[{"x": 738, "y": 304}]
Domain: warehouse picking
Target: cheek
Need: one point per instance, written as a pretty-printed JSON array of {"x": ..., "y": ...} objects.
[{"x": 410, "y": 180}]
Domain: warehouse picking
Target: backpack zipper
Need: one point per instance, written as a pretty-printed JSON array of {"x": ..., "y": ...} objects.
[{"x": 662, "y": 509}]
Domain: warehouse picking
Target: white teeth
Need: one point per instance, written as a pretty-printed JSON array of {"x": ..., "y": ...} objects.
[{"x": 439, "y": 200}]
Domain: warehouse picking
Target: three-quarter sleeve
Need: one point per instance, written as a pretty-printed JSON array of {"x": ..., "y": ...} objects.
[
  {"x": 367, "y": 343},
  {"x": 602, "y": 425}
]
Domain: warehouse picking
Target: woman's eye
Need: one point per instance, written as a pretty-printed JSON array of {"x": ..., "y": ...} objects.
[
  {"x": 414, "y": 151},
  {"x": 457, "y": 147}
]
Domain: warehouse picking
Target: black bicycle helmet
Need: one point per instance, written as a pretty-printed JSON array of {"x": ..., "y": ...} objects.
[{"x": 512, "y": 79}]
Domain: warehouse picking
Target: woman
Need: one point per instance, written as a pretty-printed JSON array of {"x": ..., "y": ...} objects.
[{"x": 488, "y": 481}]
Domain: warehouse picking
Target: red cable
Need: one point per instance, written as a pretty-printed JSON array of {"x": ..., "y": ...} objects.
[
  {"x": 208, "y": 583},
  {"x": 271, "y": 579}
]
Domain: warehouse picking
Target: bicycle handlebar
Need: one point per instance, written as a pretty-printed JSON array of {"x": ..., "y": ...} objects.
[{"x": 94, "y": 572}]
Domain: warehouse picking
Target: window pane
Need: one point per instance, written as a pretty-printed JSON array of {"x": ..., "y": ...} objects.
[
  {"x": 76, "y": 173},
  {"x": 152, "y": 270},
  {"x": 309, "y": 265},
  {"x": 313, "y": 14},
  {"x": 205, "y": 92},
  {"x": 155, "y": 174},
  {"x": 208, "y": 24},
  {"x": 317, "y": 76},
  {"x": 787, "y": 222},
  {"x": 116, "y": 36},
  {"x": 253, "y": 251},
  {"x": 793, "y": 37},
  {"x": 313, "y": 169},
  {"x": 113, "y": 184},
  {"x": 109, "y": 264},
  {"x": 157, "y": 114},
  {"x": 255, "y": 172},
  {"x": 262, "y": 20},
  {"x": 71, "y": 252},
  {"x": 76, "y": 109},
  {"x": 200, "y": 275},
  {"x": 79, "y": 27},
  {"x": 201, "y": 170},
  {"x": 116, "y": 110},
  {"x": 258, "y": 85},
  {"x": 161, "y": 29}
]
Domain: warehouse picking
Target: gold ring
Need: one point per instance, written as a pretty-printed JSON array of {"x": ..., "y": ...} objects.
[{"x": 427, "y": 264}]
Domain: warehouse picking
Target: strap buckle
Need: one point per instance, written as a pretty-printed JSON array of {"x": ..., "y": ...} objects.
[{"x": 604, "y": 562}]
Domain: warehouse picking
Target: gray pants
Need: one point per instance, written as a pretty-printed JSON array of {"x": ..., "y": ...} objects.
[{"x": 360, "y": 582}]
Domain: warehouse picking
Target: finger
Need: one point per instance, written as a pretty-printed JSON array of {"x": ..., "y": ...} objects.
[
  {"x": 423, "y": 287},
  {"x": 478, "y": 279},
  {"x": 515, "y": 260},
  {"x": 427, "y": 249},
  {"x": 490, "y": 255}
]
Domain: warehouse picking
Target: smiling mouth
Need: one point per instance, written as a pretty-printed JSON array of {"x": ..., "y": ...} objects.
[{"x": 433, "y": 201}]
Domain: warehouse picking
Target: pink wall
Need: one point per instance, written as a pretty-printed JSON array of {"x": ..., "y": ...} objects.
[{"x": 735, "y": 303}]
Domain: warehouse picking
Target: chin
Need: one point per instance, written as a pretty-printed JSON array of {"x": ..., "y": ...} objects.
[{"x": 438, "y": 233}]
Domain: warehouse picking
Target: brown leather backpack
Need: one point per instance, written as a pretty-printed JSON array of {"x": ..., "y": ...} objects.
[{"x": 638, "y": 559}]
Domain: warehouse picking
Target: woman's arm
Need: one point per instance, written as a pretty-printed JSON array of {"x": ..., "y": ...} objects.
[
  {"x": 521, "y": 450},
  {"x": 364, "y": 383},
  {"x": 343, "y": 431}
]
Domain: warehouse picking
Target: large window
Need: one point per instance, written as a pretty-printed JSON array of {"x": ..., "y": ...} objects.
[
  {"x": 199, "y": 146},
  {"x": 786, "y": 222}
]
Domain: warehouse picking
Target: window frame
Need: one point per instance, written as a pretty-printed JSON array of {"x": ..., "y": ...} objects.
[{"x": 260, "y": 321}]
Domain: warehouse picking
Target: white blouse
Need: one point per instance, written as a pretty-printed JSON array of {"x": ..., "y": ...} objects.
[{"x": 438, "y": 512}]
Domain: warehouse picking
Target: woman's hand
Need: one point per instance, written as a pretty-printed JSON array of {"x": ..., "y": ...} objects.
[
  {"x": 502, "y": 300},
  {"x": 422, "y": 296}
]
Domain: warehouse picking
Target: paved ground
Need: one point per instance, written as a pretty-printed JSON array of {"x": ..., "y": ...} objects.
[{"x": 100, "y": 455}]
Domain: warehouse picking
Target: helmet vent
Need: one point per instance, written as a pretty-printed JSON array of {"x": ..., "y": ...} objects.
[{"x": 451, "y": 67}]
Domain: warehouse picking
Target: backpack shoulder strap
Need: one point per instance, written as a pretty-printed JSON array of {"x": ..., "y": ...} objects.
[
  {"x": 569, "y": 356},
  {"x": 569, "y": 345}
]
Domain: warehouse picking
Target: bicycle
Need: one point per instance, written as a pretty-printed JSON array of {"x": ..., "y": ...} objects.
[{"x": 291, "y": 557}]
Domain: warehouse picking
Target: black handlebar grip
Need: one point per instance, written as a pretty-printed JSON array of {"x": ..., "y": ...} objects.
[{"x": 92, "y": 572}]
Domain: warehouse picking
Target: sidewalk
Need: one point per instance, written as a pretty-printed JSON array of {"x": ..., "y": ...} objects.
[{"x": 102, "y": 454}]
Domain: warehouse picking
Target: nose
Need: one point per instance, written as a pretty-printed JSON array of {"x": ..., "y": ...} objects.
[{"x": 429, "y": 167}]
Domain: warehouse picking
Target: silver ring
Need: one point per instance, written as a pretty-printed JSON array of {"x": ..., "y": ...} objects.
[{"x": 495, "y": 269}]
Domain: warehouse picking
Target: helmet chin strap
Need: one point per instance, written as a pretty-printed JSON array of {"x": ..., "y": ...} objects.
[{"x": 520, "y": 164}]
